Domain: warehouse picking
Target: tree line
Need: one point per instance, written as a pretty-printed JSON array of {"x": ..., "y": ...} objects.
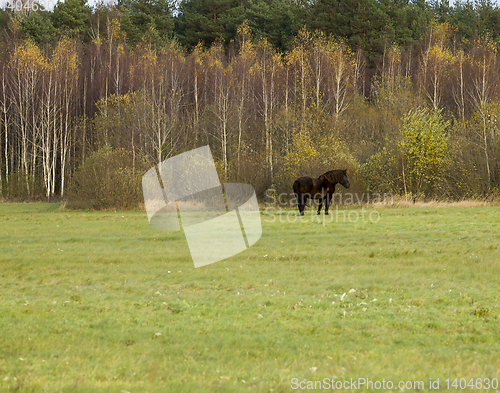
[
  {"x": 419, "y": 119},
  {"x": 364, "y": 24}
]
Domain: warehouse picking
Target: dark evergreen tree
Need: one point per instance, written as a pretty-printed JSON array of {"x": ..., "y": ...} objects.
[
  {"x": 38, "y": 26},
  {"x": 463, "y": 16},
  {"x": 206, "y": 21},
  {"x": 277, "y": 20},
  {"x": 362, "y": 22},
  {"x": 4, "y": 18},
  {"x": 209, "y": 20},
  {"x": 146, "y": 18},
  {"x": 489, "y": 19},
  {"x": 71, "y": 17},
  {"x": 370, "y": 24}
]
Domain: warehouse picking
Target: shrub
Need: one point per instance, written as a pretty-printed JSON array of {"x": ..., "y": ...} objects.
[
  {"x": 383, "y": 172},
  {"x": 424, "y": 146},
  {"x": 109, "y": 179}
]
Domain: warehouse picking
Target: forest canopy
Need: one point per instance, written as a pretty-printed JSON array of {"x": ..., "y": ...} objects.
[{"x": 364, "y": 24}]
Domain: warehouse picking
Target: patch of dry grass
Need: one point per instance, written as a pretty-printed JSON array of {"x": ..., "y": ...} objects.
[{"x": 401, "y": 201}]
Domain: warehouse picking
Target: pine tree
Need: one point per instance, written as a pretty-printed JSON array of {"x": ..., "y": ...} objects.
[{"x": 71, "y": 18}]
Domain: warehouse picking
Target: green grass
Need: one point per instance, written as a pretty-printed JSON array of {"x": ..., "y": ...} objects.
[{"x": 84, "y": 294}]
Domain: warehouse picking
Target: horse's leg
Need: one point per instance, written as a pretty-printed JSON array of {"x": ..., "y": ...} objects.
[
  {"x": 298, "y": 196},
  {"x": 300, "y": 203},
  {"x": 321, "y": 205},
  {"x": 304, "y": 201},
  {"x": 328, "y": 198}
]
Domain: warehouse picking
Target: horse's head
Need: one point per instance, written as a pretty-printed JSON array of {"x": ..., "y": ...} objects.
[
  {"x": 336, "y": 176},
  {"x": 345, "y": 181}
]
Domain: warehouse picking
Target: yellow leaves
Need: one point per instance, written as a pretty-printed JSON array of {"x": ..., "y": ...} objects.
[
  {"x": 244, "y": 29},
  {"x": 199, "y": 54},
  {"x": 485, "y": 56},
  {"x": 172, "y": 49},
  {"x": 440, "y": 55},
  {"x": 244, "y": 34},
  {"x": 118, "y": 101},
  {"x": 115, "y": 29},
  {"x": 304, "y": 148},
  {"x": 255, "y": 69},
  {"x": 394, "y": 53},
  {"x": 216, "y": 64},
  {"x": 149, "y": 57},
  {"x": 97, "y": 41},
  {"x": 339, "y": 54},
  {"x": 228, "y": 71},
  {"x": 28, "y": 58},
  {"x": 65, "y": 57},
  {"x": 424, "y": 147},
  {"x": 120, "y": 50},
  {"x": 303, "y": 38},
  {"x": 442, "y": 33},
  {"x": 487, "y": 42}
]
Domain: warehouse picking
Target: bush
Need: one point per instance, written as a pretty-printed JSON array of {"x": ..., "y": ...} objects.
[
  {"x": 109, "y": 179},
  {"x": 383, "y": 172},
  {"x": 424, "y": 146}
]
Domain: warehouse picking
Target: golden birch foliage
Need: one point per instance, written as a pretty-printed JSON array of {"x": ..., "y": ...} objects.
[
  {"x": 244, "y": 35},
  {"x": 440, "y": 58},
  {"x": 394, "y": 53},
  {"x": 435, "y": 60},
  {"x": 114, "y": 31},
  {"x": 143, "y": 67},
  {"x": 442, "y": 33},
  {"x": 215, "y": 55},
  {"x": 115, "y": 101},
  {"x": 65, "y": 57},
  {"x": 120, "y": 49},
  {"x": 149, "y": 57},
  {"x": 97, "y": 41},
  {"x": 199, "y": 54},
  {"x": 28, "y": 59},
  {"x": 340, "y": 55}
]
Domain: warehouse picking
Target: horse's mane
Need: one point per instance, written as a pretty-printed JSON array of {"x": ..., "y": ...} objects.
[{"x": 334, "y": 176}]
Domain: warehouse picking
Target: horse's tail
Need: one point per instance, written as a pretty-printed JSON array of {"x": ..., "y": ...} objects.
[
  {"x": 296, "y": 188},
  {"x": 298, "y": 194},
  {"x": 299, "y": 197}
]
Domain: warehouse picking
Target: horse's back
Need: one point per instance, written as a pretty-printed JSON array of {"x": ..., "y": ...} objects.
[
  {"x": 305, "y": 181},
  {"x": 317, "y": 184},
  {"x": 303, "y": 185},
  {"x": 315, "y": 188}
]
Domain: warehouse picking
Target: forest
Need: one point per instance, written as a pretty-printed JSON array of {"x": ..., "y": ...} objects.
[{"x": 405, "y": 95}]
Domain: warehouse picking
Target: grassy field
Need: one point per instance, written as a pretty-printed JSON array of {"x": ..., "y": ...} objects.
[{"x": 100, "y": 301}]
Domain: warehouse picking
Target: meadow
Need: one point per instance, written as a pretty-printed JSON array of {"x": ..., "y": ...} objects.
[{"x": 102, "y": 302}]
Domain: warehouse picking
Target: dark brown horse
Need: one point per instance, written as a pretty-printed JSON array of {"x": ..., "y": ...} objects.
[{"x": 322, "y": 188}]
